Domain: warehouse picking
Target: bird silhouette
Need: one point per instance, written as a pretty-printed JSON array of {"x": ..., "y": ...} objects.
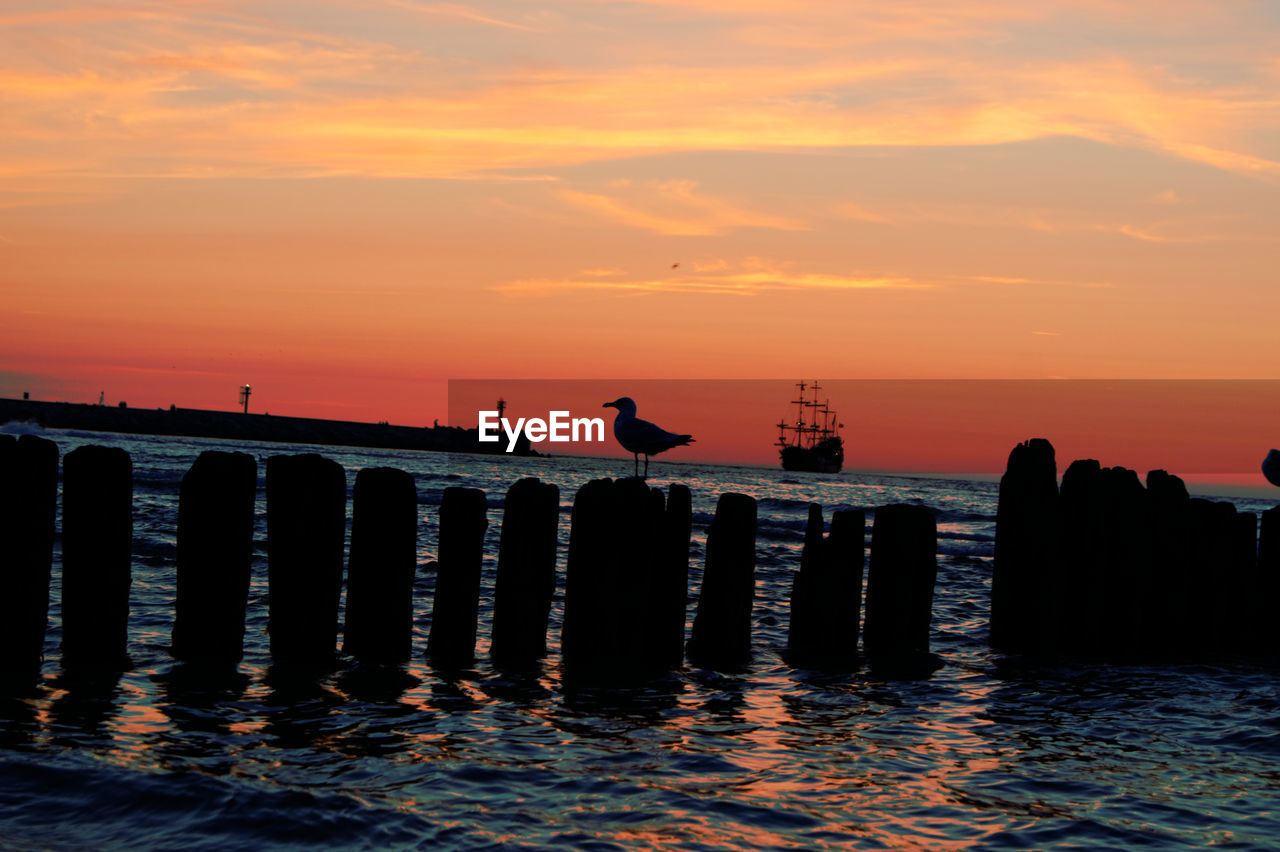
[{"x": 640, "y": 436}]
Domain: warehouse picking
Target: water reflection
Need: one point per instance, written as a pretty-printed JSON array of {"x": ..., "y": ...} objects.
[
  {"x": 19, "y": 714},
  {"x": 83, "y": 706}
]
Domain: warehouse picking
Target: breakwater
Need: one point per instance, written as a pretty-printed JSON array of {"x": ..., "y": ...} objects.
[
  {"x": 626, "y": 580},
  {"x": 239, "y": 426}
]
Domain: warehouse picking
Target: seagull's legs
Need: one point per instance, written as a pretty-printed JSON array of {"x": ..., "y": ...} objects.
[
  {"x": 637, "y": 460},
  {"x": 646, "y": 465}
]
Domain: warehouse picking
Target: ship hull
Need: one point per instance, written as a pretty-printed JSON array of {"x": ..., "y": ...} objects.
[{"x": 825, "y": 457}]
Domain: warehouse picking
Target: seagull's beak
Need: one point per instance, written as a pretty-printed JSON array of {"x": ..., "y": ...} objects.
[{"x": 610, "y": 405}]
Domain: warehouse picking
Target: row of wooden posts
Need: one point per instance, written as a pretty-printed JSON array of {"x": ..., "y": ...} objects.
[
  {"x": 1105, "y": 567},
  {"x": 626, "y": 583}
]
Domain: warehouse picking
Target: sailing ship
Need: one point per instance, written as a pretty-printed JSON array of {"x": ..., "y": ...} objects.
[{"x": 812, "y": 443}]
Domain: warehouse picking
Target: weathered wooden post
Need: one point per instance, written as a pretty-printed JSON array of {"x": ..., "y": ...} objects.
[
  {"x": 451, "y": 643},
  {"x": 306, "y": 520},
  {"x": 672, "y": 578},
  {"x": 721, "y": 635},
  {"x": 1242, "y": 607},
  {"x": 1027, "y": 575},
  {"x": 28, "y": 505},
  {"x": 97, "y": 539},
  {"x": 1213, "y": 556},
  {"x": 587, "y": 636},
  {"x": 215, "y": 552},
  {"x": 826, "y": 593},
  {"x": 1168, "y": 582},
  {"x": 1268, "y": 588},
  {"x": 903, "y": 568},
  {"x": 1125, "y": 536},
  {"x": 1083, "y": 552},
  {"x": 627, "y": 579},
  {"x": 526, "y": 575},
  {"x": 383, "y": 559},
  {"x": 640, "y": 549}
]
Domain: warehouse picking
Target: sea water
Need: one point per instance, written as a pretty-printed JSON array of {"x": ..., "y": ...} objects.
[{"x": 981, "y": 753}]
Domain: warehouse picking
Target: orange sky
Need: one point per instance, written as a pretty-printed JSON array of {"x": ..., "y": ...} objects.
[{"x": 347, "y": 204}]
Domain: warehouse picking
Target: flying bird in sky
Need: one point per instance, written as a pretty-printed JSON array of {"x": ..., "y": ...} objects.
[{"x": 640, "y": 436}]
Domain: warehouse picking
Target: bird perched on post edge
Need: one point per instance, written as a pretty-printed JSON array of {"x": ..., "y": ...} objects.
[{"x": 640, "y": 436}]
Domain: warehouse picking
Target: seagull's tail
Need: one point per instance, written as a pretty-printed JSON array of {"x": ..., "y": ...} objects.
[{"x": 682, "y": 440}]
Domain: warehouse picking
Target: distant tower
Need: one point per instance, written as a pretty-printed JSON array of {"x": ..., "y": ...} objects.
[
  {"x": 244, "y": 397},
  {"x": 502, "y": 406}
]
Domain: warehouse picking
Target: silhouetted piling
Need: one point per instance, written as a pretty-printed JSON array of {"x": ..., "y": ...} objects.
[
  {"x": 452, "y": 641},
  {"x": 640, "y": 545},
  {"x": 721, "y": 635},
  {"x": 1239, "y": 595},
  {"x": 1027, "y": 575},
  {"x": 624, "y": 579},
  {"x": 903, "y": 568},
  {"x": 1082, "y": 552},
  {"x": 28, "y": 504},
  {"x": 672, "y": 579},
  {"x": 1268, "y": 584},
  {"x": 97, "y": 537},
  {"x": 215, "y": 552},
  {"x": 586, "y": 634},
  {"x": 1167, "y": 623},
  {"x": 306, "y": 520},
  {"x": 380, "y": 569},
  {"x": 1213, "y": 556},
  {"x": 826, "y": 593},
  {"x": 1124, "y": 567},
  {"x": 526, "y": 576}
]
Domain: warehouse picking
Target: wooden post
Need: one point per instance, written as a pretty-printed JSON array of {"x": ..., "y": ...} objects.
[
  {"x": 381, "y": 566},
  {"x": 28, "y": 506},
  {"x": 97, "y": 539},
  {"x": 215, "y": 552},
  {"x": 1168, "y": 583},
  {"x": 640, "y": 549},
  {"x": 1083, "y": 549},
  {"x": 451, "y": 643},
  {"x": 1241, "y": 584},
  {"x": 1125, "y": 535},
  {"x": 526, "y": 576},
  {"x": 1027, "y": 574},
  {"x": 1213, "y": 525},
  {"x": 904, "y": 547},
  {"x": 672, "y": 578},
  {"x": 306, "y": 520},
  {"x": 587, "y": 637},
  {"x": 721, "y": 636},
  {"x": 826, "y": 593},
  {"x": 1268, "y": 588},
  {"x": 626, "y": 583}
]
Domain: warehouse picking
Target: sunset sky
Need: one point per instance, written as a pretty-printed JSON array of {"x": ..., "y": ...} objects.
[{"x": 346, "y": 204}]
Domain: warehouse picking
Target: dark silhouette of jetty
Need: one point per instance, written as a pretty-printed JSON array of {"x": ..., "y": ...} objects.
[{"x": 238, "y": 426}]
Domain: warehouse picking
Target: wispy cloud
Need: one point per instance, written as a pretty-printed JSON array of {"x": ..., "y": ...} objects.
[
  {"x": 749, "y": 278},
  {"x": 188, "y": 86},
  {"x": 460, "y": 12},
  {"x": 677, "y": 208}
]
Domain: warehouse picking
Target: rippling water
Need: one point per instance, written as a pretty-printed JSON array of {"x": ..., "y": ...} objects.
[{"x": 979, "y": 754}]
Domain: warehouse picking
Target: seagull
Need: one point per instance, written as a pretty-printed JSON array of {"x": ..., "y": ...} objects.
[
  {"x": 640, "y": 436},
  {"x": 1270, "y": 465}
]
